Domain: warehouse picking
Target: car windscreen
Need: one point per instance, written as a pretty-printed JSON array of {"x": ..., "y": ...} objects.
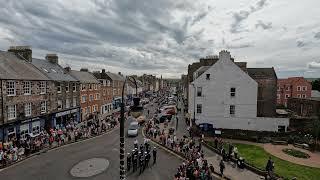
[{"x": 133, "y": 127}]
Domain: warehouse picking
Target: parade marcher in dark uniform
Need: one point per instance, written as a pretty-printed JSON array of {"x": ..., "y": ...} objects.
[
  {"x": 141, "y": 148},
  {"x": 154, "y": 153},
  {"x": 141, "y": 164},
  {"x": 135, "y": 162},
  {"x": 139, "y": 156},
  {"x": 128, "y": 162},
  {"x": 146, "y": 159}
]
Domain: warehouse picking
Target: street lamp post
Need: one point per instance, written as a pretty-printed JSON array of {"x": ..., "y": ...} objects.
[{"x": 122, "y": 168}]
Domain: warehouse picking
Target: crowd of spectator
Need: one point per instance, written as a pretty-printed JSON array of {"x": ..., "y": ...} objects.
[
  {"x": 196, "y": 167},
  {"x": 18, "y": 149}
]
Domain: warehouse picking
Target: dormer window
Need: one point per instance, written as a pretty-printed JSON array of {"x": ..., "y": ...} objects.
[{"x": 207, "y": 76}]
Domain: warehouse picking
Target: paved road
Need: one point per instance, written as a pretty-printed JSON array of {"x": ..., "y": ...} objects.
[{"x": 56, "y": 164}]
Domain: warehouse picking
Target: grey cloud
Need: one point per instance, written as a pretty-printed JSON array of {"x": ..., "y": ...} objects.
[
  {"x": 238, "y": 18},
  {"x": 199, "y": 17},
  {"x": 242, "y": 15},
  {"x": 240, "y": 46},
  {"x": 317, "y": 35},
  {"x": 263, "y": 25},
  {"x": 314, "y": 65},
  {"x": 301, "y": 44}
]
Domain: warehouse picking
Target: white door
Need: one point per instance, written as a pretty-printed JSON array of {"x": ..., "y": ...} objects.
[
  {"x": 24, "y": 130},
  {"x": 36, "y": 127}
]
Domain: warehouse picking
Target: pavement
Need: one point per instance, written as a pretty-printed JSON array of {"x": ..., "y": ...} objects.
[
  {"x": 231, "y": 171},
  {"x": 56, "y": 164}
]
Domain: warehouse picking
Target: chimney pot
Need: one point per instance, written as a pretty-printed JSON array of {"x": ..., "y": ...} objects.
[
  {"x": 68, "y": 69},
  {"x": 52, "y": 58},
  {"x": 22, "y": 52}
]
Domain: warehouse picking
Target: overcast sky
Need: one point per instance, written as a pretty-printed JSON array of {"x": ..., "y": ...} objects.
[{"x": 164, "y": 36}]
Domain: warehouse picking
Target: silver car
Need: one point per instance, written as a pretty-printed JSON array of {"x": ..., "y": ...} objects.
[{"x": 133, "y": 129}]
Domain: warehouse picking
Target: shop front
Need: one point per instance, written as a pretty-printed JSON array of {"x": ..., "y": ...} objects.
[
  {"x": 60, "y": 119},
  {"x": 116, "y": 104},
  {"x": 20, "y": 129}
]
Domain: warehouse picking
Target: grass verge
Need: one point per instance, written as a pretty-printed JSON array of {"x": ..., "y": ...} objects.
[{"x": 258, "y": 157}]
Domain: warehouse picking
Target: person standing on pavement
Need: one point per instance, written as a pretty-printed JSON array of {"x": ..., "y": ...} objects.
[
  {"x": 269, "y": 167},
  {"x": 222, "y": 166},
  {"x": 154, "y": 154}
]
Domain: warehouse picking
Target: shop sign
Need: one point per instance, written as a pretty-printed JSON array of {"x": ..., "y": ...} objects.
[
  {"x": 30, "y": 120},
  {"x": 66, "y": 112}
]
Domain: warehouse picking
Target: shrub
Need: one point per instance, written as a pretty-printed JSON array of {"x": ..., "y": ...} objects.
[{"x": 296, "y": 153}]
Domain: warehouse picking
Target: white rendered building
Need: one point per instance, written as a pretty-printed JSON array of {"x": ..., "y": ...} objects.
[{"x": 226, "y": 97}]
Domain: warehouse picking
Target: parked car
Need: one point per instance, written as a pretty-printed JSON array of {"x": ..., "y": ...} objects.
[{"x": 133, "y": 129}]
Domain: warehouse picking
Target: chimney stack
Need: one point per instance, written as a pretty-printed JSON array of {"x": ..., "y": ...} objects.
[
  {"x": 22, "y": 52},
  {"x": 103, "y": 71},
  {"x": 52, "y": 58},
  {"x": 68, "y": 69},
  {"x": 84, "y": 69},
  {"x": 224, "y": 55}
]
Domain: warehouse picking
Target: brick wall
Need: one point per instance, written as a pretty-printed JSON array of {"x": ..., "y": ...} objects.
[
  {"x": 296, "y": 87},
  {"x": 88, "y": 106}
]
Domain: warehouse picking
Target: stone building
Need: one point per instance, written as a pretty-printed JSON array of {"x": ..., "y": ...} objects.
[
  {"x": 305, "y": 107},
  {"x": 65, "y": 93},
  {"x": 25, "y": 94},
  {"x": 105, "y": 93},
  {"x": 267, "y": 90},
  {"x": 90, "y": 94}
]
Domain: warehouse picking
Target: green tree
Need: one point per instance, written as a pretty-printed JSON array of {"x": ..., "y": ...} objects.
[{"x": 316, "y": 84}]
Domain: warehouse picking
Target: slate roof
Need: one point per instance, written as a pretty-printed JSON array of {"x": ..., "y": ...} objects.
[
  {"x": 12, "y": 67},
  {"x": 201, "y": 70},
  {"x": 261, "y": 73},
  {"x": 315, "y": 94},
  {"x": 52, "y": 71},
  {"x": 84, "y": 77},
  {"x": 131, "y": 83},
  {"x": 115, "y": 77}
]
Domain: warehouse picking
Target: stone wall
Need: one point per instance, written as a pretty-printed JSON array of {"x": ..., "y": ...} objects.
[
  {"x": 20, "y": 99},
  {"x": 267, "y": 97}
]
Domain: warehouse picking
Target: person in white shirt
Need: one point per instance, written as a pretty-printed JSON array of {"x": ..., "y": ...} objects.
[{"x": 135, "y": 143}]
